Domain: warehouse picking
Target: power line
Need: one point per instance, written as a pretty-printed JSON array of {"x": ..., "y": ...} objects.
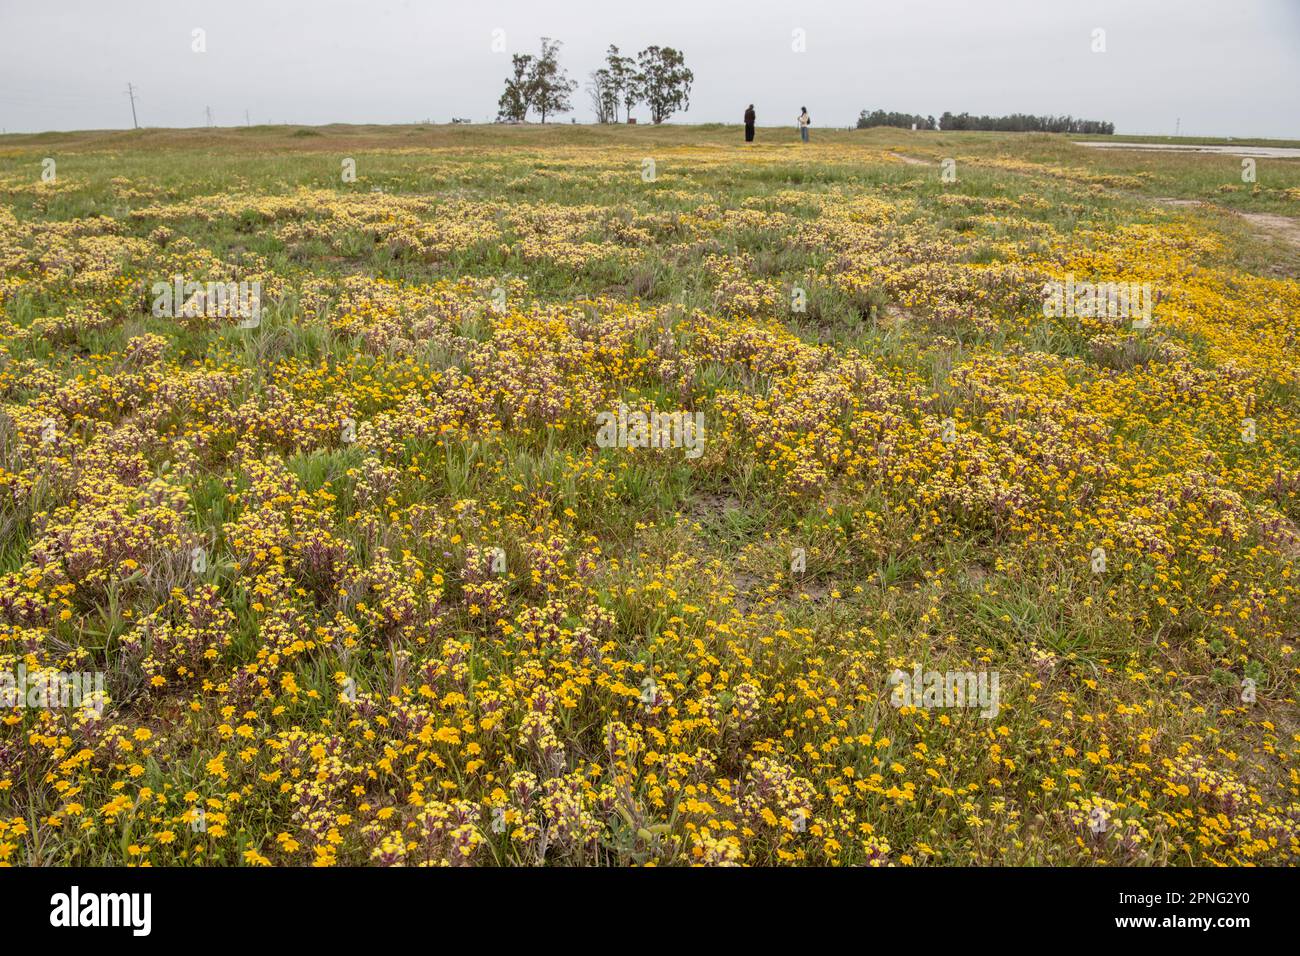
[{"x": 130, "y": 91}]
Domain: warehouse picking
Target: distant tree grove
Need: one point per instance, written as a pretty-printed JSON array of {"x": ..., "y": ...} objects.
[
  {"x": 1014, "y": 123},
  {"x": 657, "y": 76},
  {"x": 536, "y": 83},
  {"x": 901, "y": 120}
]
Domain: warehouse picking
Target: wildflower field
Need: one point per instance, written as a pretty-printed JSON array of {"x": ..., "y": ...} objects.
[{"x": 365, "y": 588}]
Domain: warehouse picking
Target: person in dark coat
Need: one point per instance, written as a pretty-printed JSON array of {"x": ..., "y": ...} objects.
[{"x": 749, "y": 123}]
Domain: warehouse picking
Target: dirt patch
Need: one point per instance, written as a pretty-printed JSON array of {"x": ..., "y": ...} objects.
[
  {"x": 1266, "y": 224},
  {"x": 975, "y": 575},
  {"x": 710, "y": 504},
  {"x": 1274, "y": 226},
  {"x": 750, "y": 590},
  {"x": 818, "y": 592}
]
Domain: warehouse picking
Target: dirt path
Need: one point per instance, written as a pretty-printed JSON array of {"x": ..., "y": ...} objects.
[
  {"x": 1269, "y": 224},
  {"x": 1266, "y": 224}
]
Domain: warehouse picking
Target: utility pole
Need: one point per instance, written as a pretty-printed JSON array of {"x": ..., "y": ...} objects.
[
  {"x": 247, "y": 121},
  {"x": 208, "y": 111},
  {"x": 1178, "y": 125},
  {"x": 130, "y": 91}
]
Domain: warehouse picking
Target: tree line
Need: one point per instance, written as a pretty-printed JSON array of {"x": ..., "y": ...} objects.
[
  {"x": 901, "y": 120},
  {"x": 657, "y": 76},
  {"x": 1014, "y": 123}
]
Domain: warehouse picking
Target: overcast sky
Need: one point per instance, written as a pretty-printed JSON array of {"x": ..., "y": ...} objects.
[{"x": 1224, "y": 67}]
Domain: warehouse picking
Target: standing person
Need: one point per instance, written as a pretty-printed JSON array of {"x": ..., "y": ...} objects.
[
  {"x": 804, "y": 122},
  {"x": 749, "y": 124}
]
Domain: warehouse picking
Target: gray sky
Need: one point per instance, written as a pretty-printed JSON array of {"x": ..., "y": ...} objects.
[{"x": 1225, "y": 67}]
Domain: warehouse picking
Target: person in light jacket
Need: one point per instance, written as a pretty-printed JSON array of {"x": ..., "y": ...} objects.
[{"x": 804, "y": 122}]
